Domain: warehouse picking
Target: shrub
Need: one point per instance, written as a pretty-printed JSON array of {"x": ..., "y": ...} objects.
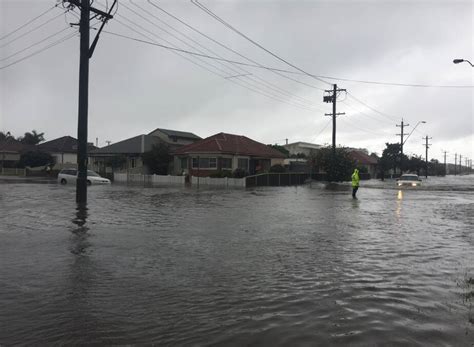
[{"x": 278, "y": 168}]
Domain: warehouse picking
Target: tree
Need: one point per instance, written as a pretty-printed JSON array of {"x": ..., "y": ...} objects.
[
  {"x": 35, "y": 159},
  {"x": 32, "y": 138},
  {"x": 391, "y": 157},
  {"x": 415, "y": 164},
  {"x": 280, "y": 149},
  {"x": 339, "y": 169},
  {"x": 158, "y": 159},
  {"x": 5, "y": 136}
]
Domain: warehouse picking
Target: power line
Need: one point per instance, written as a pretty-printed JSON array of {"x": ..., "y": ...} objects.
[
  {"x": 253, "y": 77},
  {"x": 202, "y": 52},
  {"x": 40, "y": 50},
  {"x": 352, "y": 124},
  {"x": 34, "y": 44},
  {"x": 178, "y": 50},
  {"x": 34, "y": 29},
  {"x": 212, "y": 14},
  {"x": 318, "y": 77},
  {"x": 396, "y": 84},
  {"x": 28, "y": 22},
  {"x": 278, "y": 72},
  {"x": 324, "y": 128},
  {"x": 370, "y": 107},
  {"x": 365, "y": 114}
]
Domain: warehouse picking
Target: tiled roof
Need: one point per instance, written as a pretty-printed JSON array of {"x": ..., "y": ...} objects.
[
  {"x": 362, "y": 158},
  {"x": 175, "y": 133},
  {"x": 223, "y": 143},
  {"x": 65, "y": 144},
  {"x": 14, "y": 146}
]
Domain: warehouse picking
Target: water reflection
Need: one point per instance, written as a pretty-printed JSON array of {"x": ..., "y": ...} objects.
[
  {"x": 80, "y": 215},
  {"x": 398, "y": 211},
  {"x": 81, "y": 281}
]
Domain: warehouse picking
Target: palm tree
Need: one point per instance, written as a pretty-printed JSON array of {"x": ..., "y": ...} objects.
[{"x": 32, "y": 138}]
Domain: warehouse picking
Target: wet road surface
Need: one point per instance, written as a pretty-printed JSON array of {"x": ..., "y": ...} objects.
[{"x": 267, "y": 266}]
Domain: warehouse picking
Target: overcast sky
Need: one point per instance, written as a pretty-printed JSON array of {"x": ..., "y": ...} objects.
[{"x": 136, "y": 87}]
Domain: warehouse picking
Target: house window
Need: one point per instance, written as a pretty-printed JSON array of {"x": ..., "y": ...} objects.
[
  {"x": 133, "y": 163},
  {"x": 205, "y": 163},
  {"x": 213, "y": 163},
  {"x": 243, "y": 163},
  {"x": 226, "y": 163},
  {"x": 184, "y": 163}
]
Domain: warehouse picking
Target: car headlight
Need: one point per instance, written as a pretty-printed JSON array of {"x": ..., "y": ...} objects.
[
  {"x": 399, "y": 184},
  {"x": 414, "y": 184}
]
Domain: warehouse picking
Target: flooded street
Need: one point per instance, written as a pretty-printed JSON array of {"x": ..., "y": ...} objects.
[{"x": 266, "y": 266}]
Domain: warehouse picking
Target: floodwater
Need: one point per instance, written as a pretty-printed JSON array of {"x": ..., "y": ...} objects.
[{"x": 266, "y": 266}]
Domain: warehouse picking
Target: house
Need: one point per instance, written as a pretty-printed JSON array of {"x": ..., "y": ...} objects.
[
  {"x": 225, "y": 152},
  {"x": 126, "y": 155},
  {"x": 302, "y": 148},
  {"x": 175, "y": 138},
  {"x": 63, "y": 150},
  {"x": 363, "y": 160},
  {"x": 10, "y": 152}
]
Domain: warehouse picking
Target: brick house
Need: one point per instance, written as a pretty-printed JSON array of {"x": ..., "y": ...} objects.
[{"x": 225, "y": 152}]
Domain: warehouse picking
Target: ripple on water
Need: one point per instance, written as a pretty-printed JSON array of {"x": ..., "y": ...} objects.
[{"x": 273, "y": 266}]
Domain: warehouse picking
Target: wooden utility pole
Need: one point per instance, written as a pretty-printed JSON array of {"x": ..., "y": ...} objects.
[
  {"x": 402, "y": 140},
  {"x": 455, "y": 163},
  {"x": 332, "y": 98},
  {"x": 85, "y": 55},
  {"x": 445, "y": 168},
  {"x": 427, "y": 145}
]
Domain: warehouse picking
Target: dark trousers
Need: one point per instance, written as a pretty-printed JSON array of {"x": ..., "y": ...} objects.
[{"x": 354, "y": 191}]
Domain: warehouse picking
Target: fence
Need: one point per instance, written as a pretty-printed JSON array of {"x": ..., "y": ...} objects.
[
  {"x": 6, "y": 171},
  {"x": 276, "y": 179},
  {"x": 148, "y": 179},
  {"x": 218, "y": 182}
]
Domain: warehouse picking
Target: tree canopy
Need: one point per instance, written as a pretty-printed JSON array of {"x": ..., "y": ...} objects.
[
  {"x": 158, "y": 159},
  {"x": 32, "y": 138},
  {"x": 35, "y": 159},
  {"x": 339, "y": 169}
]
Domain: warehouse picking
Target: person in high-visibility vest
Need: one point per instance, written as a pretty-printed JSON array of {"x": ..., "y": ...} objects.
[{"x": 355, "y": 183}]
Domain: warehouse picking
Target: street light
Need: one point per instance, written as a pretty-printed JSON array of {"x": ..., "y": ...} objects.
[
  {"x": 421, "y": 121},
  {"x": 457, "y": 61}
]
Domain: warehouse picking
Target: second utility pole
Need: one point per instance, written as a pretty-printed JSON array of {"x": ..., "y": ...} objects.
[
  {"x": 426, "y": 158},
  {"x": 332, "y": 98},
  {"x": 402, "y": 125}
]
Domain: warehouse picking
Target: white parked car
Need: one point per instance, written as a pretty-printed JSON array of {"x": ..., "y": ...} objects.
[
  {"x": 410, "y": 180},
  {"x": 70, "y": 176}
]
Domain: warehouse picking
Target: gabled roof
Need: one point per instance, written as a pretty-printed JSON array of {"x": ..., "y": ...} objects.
[
  {"x": 176, "y": 133},
  {"x": 11, "y": 145},
  {"x": 134, "y": 145},
  {"x": 223, "y": 143},
  {"x": 362, "y": 158},
  {"x": 65, "y": 144}
]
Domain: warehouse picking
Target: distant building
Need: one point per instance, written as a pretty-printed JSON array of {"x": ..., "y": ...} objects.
[
  {"x": 302, "y": 148},
  {"x": 126, "y": 155},
  {"x": 63, "y": 150},
  {"x": 225, "y": 152}
]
